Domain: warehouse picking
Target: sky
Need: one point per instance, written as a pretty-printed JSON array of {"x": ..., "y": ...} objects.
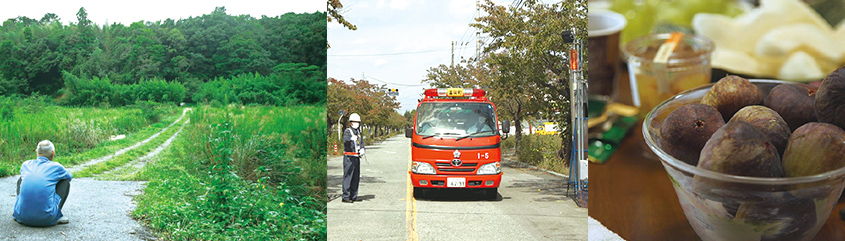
[
  {"x": 397, "y": 41},
  {"x": 127, "y": 12}
]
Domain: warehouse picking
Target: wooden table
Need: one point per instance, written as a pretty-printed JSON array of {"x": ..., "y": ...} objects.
[{"x": 631, "y": 194}]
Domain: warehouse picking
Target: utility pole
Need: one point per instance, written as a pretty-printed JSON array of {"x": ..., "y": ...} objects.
[
  {"x": 478, "y": 31},
  {"x": 453, "y": 53},
  {"x": 578, "y": 105}
]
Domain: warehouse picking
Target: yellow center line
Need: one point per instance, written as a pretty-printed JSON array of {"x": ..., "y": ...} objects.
[{"x": 410, "y": 204}]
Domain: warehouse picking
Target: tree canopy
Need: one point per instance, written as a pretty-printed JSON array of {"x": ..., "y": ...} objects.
[
  {"x": 370, "y": 101},
  {"x": 35, "y": 53},
  {"x": 525, "y": 66}
]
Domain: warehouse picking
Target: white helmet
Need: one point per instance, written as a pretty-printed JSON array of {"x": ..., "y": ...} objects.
[{"x": 354, "y": 117}]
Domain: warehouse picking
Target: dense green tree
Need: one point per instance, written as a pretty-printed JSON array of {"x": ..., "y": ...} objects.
[
  {"x": 528, "y": 53},
  {"x": 192, "y": 51}
]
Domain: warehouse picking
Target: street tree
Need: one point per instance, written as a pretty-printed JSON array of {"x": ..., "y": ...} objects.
[{"x": 529, "y": 52}]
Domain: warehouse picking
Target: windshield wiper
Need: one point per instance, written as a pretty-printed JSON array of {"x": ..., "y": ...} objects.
[
  {"x": 430, "y": 136},
  {"x": 477, "y": 132}
]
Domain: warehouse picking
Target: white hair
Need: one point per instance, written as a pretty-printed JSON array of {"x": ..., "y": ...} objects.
[{"x": 45, "y": 148}]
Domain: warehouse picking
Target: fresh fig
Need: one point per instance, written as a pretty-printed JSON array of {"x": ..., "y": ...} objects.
[
  {"x": 768, "y": 122},
  {"x": 730, "y": 94},
  {"x": 738, "y": 148},
  {"x": 685, "y": 131},
  {"x": 794, "y": 102},
  {"x": 785, "y": 218},
  {"x": 814, "y": 148},
  {"x": 830, "y": 99}
]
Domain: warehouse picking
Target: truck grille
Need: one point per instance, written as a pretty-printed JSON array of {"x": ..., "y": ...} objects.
[
  {"x": 456, "y": 169},
  {"x": 446, "y": 164}
]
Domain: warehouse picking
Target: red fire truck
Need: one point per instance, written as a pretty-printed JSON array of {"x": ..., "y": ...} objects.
[{"x": 455, "y": 142}]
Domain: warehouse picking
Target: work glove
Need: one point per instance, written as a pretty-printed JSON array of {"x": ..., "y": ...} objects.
[{"x": 360, "y": 151}]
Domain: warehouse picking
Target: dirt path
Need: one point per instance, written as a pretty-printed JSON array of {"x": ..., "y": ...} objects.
[
  {"x": 97, "y": 210},
  {"x": 124, "y": 150},
  {"x": 136, "y": 165}
]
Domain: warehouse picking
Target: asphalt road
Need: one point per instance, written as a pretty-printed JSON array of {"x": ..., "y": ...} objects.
[
  {"x": 97, "y": 210},
  {"x": 532, "y": 205}
]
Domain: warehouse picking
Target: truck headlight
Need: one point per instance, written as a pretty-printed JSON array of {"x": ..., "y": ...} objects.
[
  {"x": 489, "y": 168},
  {"x": 422, "y": 168}
]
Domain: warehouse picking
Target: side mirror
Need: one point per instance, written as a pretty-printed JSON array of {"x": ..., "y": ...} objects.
[
  {"x": 409, "y": 132},
  {"x": 506, "y": 127}
]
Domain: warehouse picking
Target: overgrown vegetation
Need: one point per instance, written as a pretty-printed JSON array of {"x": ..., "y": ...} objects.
[
  {"x": 246, "y": 173},
  {"x": 541, "y": 151},
  {"x": 295, "y": 84},
  {"x": 102, "y": 93},
  {"x": 292, "y": 84},
  {"x": 25, "y": 122}
]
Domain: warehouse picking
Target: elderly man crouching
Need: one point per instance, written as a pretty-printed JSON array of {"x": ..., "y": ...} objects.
[{"x": 42, "y": 189}]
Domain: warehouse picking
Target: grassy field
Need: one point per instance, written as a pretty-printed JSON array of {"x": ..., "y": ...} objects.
[
  {"x": 240, "y": 173},
  {"x": 74, "y": 131},
  {"x": 232, "y": 173}
]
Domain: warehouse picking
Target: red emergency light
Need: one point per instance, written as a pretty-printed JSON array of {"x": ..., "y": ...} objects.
[{"x": 454, "y": 92}]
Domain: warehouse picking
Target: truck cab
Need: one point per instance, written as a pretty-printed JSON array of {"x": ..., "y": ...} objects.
[{"x": 456, "y": 142}]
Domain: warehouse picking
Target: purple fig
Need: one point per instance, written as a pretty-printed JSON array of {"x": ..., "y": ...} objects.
[
  {"x": 685, "y": 131},
  {"x": 768, "y": 122},
  {"x": 814, "y": 148},
  {"x": 830, "y": 99},
  {"x": 731, "y": 93},
  {"x": 794, "y": 102},
  {"x": 738, "y": 148}
]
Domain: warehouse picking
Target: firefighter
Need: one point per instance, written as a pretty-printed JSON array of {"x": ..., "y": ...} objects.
[{"x": 353, "y": 150}]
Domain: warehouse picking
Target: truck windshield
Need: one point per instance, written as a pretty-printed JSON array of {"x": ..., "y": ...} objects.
[{"x": 456, "y": 119}]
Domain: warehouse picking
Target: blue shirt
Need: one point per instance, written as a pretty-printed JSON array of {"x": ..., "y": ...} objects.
[{"x": 38, "y": 203}]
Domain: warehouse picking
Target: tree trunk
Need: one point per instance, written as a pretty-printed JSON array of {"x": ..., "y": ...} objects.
[
  {"x": 565, "y": 151},
  {"x": 517, "y": 119}
]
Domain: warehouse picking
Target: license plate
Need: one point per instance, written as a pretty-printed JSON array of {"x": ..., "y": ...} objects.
[{"x": 456, "y": 182}]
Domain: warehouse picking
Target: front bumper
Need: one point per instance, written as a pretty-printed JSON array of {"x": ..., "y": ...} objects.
[{"x": 472, "y": 181}]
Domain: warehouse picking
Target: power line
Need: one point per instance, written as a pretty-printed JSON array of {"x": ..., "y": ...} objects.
[
  {"x": 388, "y": 54},
  {"x": 385, "y": 82}
]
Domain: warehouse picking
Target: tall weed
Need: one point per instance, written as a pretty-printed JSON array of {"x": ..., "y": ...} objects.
[{"x": 245, "y": 173}]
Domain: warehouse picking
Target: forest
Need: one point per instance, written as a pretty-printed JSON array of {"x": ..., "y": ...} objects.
[{"x": 277, "y": 60}]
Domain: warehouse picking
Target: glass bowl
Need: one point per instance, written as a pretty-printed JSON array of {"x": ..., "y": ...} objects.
[{"x": 728, "y": 207}]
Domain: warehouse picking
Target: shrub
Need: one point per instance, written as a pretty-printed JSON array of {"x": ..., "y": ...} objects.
[
  {"x": 102, "y": 93},
  {"x": 160, "y": 91},
  {"x": 150, "y": 110},
  {"x": 7, "y": 108}
]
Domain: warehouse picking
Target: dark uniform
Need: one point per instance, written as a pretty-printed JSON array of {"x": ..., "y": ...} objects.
[{"x": 351, "y": 163}]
